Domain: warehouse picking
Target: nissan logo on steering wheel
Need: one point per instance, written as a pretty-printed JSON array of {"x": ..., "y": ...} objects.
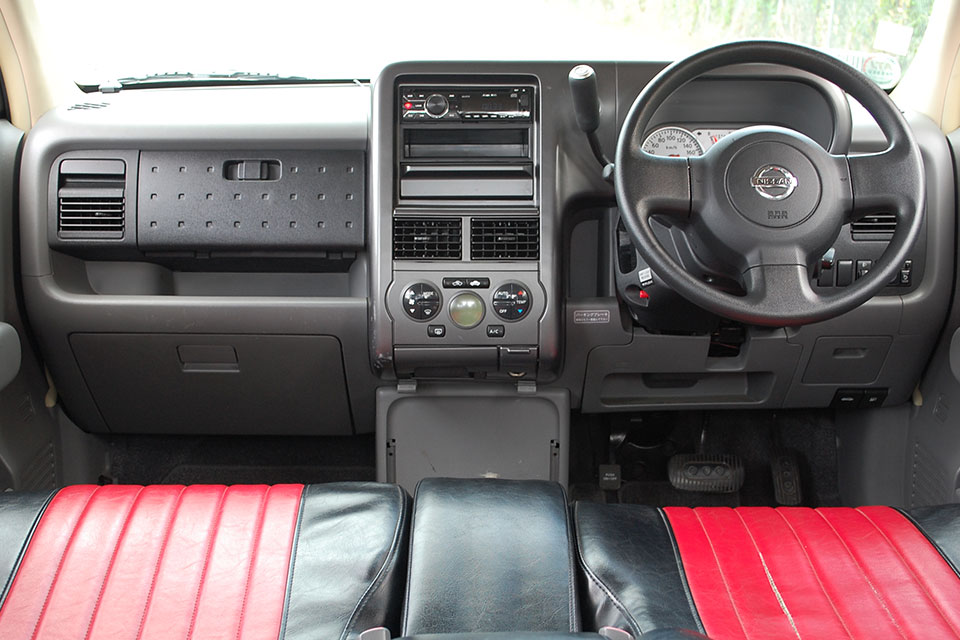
[{"x": 773, "y": 182}]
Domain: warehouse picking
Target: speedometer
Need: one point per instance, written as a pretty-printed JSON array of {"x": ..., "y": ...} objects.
[{"x": 672, "y": 142}]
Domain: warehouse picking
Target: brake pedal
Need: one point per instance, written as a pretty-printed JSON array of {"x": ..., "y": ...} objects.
[
  {"x": 786, "y": 479},
  {"x": 709, "y": 474}
]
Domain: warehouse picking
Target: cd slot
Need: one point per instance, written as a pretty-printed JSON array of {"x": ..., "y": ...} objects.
[
  {"x": 466, "y": 143},
  {"x": 466, "y": 181}
]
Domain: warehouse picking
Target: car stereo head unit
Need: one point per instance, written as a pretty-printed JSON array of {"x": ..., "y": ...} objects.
[{"x": 465, "y": 104}]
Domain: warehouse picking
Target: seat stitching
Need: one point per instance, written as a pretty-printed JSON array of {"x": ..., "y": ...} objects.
[
  {"x": 915, "y": 577},
  {"x": 595, "y": 579},
  {"x": 770, "y": 580},
  {"x": 382, "y": 572},
  {"x": 815, "y": 573},
  {"x": 257, "y": 539},
  {"x": 113, "y": 559},
  {"x": 206, "y": 560},
  {"x": 862, "y": 572},
  {"x": 156, "y": 569},
  {"x": 723, "y": 578},
  {"x": 60, "y": 563}
]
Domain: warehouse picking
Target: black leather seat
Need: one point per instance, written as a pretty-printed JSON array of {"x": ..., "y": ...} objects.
[
  {"x": 490, "y": 555},
  {"x": 871, "y": 572},
  {"x": 285, "y": 561}
]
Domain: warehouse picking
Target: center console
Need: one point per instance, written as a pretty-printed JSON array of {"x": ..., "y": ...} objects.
[{"x": 464, "y": 296}]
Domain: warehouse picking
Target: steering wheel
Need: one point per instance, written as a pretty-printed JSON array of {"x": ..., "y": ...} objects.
[{"x": 765, "y": 202}]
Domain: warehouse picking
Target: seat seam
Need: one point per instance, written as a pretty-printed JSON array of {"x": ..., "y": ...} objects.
[
  {"x": 113, "y": 559},
  {"x": 862, "y": 573},
  {"x": 723, "y": 578},
  {"x": 63, "y": 557},
  {"x": 594, "y": 578},
  {"x": 815, "y": 573},
  {"x": 915, "y": 577},
  {"x": 671, "y": 536},
  {"x": 255, "y": 548},
  {"x": 766, "y": 570},
  {"x": 208, "y": 552},
  {"x": 572, "y": 623},
  {"x": 294, "y": 545},
  {"x": 381, "y": 574},
  {"x": 23, "y": 549},
  {"x": 156, "y": 569},
  {"x": 413, "y": 531}
]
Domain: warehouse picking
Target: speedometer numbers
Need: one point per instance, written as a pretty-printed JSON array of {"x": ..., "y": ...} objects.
[
  {"x": 672, "y": 142},
  {"x": 677, "y": 142}
]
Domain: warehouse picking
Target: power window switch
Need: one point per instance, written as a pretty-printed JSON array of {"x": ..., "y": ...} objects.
[{"x": 844, "y": 272}]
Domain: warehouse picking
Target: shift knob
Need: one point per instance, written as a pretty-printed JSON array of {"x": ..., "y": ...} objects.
[{"x": 586, "y": 101}]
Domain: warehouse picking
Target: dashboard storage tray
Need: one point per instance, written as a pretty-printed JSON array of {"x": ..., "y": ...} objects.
[{"x": 256, "y": 201}]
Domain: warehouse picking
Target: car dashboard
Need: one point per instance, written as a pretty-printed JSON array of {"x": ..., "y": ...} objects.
[{"x": 273, "y": 256}]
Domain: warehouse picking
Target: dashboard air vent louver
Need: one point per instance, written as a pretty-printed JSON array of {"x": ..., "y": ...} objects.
[
  {"x": 879, "y": 226},
  {"x": 505, "y": 239},
  {"x": 427, "y": 238},
  {"x": 91, "y": 202}
]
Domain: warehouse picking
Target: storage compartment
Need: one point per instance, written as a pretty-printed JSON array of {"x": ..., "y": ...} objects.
[
  {"x": 663, "y": 371},
  {"x": 216, "y": 384},
  {"x": 846, "y": 359},
  {"x": 246, "y": 201},
  {"x": 466, "y": 431}
]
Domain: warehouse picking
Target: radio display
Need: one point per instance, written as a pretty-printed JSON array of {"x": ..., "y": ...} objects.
[{"x": 489, "y": 103}]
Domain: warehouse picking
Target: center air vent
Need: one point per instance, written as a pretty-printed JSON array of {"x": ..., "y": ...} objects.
[
  {"x": 505, "y": 239},
  {"x": 91, "y": 201},
  {"x": 878, "y": 226},
  {"x": 427, "y": 238}
]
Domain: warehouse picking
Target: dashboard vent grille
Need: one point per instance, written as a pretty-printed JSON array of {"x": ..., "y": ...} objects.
[
  {"x": 505, "y": 239},
  {"x": 91, "y": 202},
  {"x": 427, "y": 238},
  {"x": 879, "y": 226}
]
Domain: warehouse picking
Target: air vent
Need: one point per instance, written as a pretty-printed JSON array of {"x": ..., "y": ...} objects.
[
  {"x": 505, "y": 239},
  {"x": 878, "y": 226},
  {"x": 91, "y": 201},
  {"x": 427, "y": 238}
]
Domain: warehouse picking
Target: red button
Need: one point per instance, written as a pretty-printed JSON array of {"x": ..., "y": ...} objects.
[{"x": 643, "y": 295}]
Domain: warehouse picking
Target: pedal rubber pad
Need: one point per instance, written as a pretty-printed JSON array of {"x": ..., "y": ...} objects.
[
  {"x": 786, "y": 479},
  {"x": 709, "y": 474}
]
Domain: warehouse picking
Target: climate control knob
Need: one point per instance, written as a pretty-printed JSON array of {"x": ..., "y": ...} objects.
[
  {"x": 421, "y": 301},
  {"x": 436, "y": 105},
  {"x": 512, "y": 301}
]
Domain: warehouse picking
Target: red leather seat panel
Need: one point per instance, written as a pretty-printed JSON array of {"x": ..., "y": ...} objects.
[
  {"x": 199, "y": 567},
  {"x": 797, "y": 572}
]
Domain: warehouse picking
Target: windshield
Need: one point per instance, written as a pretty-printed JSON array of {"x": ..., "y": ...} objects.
[{"x": 104, "y": 40}]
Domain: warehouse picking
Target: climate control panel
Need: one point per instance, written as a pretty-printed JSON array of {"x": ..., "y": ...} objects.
[{"x": 466, "y": 309}]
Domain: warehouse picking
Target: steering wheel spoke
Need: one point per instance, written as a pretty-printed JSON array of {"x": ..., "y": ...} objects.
[
  {"x": 884, "y": 182},
  {"x": 661, "y": 186},
  {"x": 785, "y": 285}
]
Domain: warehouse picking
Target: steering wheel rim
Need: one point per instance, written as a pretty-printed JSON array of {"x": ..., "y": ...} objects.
[{"x": 731, "y": 219}]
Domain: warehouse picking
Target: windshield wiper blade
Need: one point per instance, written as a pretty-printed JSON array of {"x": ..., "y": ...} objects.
[{"x": 187, "y": 78}]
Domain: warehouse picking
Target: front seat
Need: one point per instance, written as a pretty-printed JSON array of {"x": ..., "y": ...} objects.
[
  {"x": 758, "y": 572},
  {"x": 202, "y": 561}
]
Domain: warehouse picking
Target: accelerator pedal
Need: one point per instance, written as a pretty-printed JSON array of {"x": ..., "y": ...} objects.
[
  {"x": 786, "y": 479},
  {"x": 707, "y": 473}
]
